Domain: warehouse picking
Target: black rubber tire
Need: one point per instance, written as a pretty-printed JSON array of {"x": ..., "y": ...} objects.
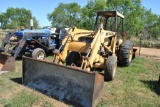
[
  {"x": 36, "y": 52},
  {"x": 73, "y": 57},
  {"x": 125, "y": 53},
  {"x": 110, "y": 68}
]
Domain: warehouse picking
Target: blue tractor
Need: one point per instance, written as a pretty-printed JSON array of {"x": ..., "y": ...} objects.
[{"x": 35, "y": 42}]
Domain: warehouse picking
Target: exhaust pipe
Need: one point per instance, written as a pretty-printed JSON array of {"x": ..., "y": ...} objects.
[{"x": 31, "y": 21}]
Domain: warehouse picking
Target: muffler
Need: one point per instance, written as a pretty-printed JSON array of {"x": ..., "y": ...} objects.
[{"x": 67, "y": 84}]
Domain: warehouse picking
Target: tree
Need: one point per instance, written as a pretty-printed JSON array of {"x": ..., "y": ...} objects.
[
  {"x": 65, "y": 15},
  {"x": 137, "y": 18},
  {"x": 151, "y": 24},
  {"x": 132, "y": 11},
  {"x": 16, "y": 17},
  {"x": 3, "y": 20},
  {"x": 89, "y": 11}
]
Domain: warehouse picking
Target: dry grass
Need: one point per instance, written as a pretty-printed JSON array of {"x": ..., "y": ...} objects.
[
  {"x": 134, "y": 86},
  {"x": 148, "y": 43}
]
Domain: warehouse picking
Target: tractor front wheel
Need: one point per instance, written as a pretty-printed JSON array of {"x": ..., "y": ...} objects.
[
  {"x": 38, "y": 53},
  {"x": 110, "y": 68}
]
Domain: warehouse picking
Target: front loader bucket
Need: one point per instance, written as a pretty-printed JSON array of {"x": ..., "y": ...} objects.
[
  {"x": 7, "y": 63},
  {"x": 67, "y": 84}
]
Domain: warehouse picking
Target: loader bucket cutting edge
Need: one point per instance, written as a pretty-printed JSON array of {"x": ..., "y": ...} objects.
[
  {"x": 7, "y": 63},
  {"x": 64, "y": 83}
]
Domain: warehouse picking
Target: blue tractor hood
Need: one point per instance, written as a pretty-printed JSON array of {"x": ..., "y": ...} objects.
[{"x": 20, "y": 33}]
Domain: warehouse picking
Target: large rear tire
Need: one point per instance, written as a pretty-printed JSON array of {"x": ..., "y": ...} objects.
[
  {"x": 73, "y": 58},
  {"x": 38, "y": 53},
  {"x": 110, "y": 68},
  {"x": 125, "y": 53}
]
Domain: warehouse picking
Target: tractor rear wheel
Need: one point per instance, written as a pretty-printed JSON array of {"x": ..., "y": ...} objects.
[
  {"x": 73, "y": 58},
  {"x": 110, "y": 68},
  {"x": 125, "y": 53},
  {"x": 38, "y": 53}
]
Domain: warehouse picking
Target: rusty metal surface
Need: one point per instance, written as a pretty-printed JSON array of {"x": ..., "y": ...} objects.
[
  {"x": 70, "y": 85},
  {"x": 7, "y": 63}
]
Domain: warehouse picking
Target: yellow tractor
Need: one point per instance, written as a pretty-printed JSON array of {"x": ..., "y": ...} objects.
[
  {"x": 71, "y": 77},
  {"x": 100, "y": 49}
]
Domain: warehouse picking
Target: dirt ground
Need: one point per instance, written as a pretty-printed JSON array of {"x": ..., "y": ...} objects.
[{"x": 148, "y": 53}]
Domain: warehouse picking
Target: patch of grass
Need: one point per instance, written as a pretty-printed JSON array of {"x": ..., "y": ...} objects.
[
  {"x": 134, "y": 86},
  {"x": 23, "y": 99},
  {"x": 47, "y": 104},
  {"x": 155, "y": 65},
  {"x": 1, "y": 82}
]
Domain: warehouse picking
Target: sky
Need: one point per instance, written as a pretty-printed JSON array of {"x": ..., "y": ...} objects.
[{"x": 40, "y": 8}]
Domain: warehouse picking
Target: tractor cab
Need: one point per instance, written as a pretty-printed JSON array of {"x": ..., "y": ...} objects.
[{"x": 109, "y": 20}]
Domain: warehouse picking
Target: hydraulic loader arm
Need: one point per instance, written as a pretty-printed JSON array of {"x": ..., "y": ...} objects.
[
  {"x": 6, "y": 41},
  {"x": 88, "y": 60},
  {"x": 22, "y": 42},
  {"x": 95, "y": 46},
  {"x": 28, "y": 36}
]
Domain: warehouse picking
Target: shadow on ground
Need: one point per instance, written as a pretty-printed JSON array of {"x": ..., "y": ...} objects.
[
  {"x": 153, "y": 85},
  {"x": 17, "y": 80}
]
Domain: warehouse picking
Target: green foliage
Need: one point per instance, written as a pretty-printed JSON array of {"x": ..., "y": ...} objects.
[
  {"x": 132, "y": 11},
  {"x": 88, "y": 13},
  {"x": 3, "y": 20},
  {"x": 151, "y": 24},
  {"x": 16, "y": 17},
  {"x": 65, "y": 15},
  {"x": 137, "y": 18}
]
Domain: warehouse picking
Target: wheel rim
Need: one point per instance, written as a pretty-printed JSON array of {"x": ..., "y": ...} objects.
[
  {"x": 130, "y": 54},
  {"x": 40, "y": 55}
]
